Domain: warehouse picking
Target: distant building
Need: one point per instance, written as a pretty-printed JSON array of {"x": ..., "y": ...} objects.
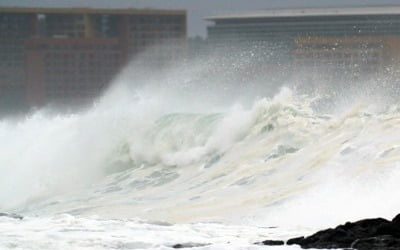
[
  {"x": 359, "y": 39},
  {"x": 69, "y": 55}
]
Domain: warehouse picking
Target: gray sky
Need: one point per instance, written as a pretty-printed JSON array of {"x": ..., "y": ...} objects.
[{"x": 198, "y": 9}]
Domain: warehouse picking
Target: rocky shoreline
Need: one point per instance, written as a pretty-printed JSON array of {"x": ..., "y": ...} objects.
[{"x": 367, "y": 234}]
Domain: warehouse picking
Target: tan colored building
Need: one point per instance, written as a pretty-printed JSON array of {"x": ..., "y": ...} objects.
[
  {"x": 360, "y": 54},
  {"x": 51, "y": 55},
  {"x": 69, "y": 69},
  {"x": 353, "y": 40}
]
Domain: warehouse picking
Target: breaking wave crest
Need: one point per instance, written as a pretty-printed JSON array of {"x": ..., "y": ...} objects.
[{"x": 272, "y": 162}]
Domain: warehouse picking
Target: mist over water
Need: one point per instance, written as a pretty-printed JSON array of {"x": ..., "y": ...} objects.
[{"x": 208, "y": 140}]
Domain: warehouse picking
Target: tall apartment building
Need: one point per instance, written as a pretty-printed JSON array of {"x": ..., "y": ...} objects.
[
  {"x": 358, "y": 39},
  {"x": 14, "y": 30},
  {"x": 50, "y": 55}
]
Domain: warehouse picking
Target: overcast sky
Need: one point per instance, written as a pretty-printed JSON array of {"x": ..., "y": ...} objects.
[{"x": 198, "y": 9}]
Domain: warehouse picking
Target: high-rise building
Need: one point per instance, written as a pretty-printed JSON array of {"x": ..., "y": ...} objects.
[
  {"x": 58, "y": 55},
  {"x": 358, "y": 39},
  {"x": 14, "y": 30}
]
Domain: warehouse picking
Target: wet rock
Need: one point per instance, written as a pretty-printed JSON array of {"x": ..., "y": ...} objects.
[
  {"x": 295, "y": 241},
  {"x": 392, "y": 228},
  {"x": 271, "y": 243},
  {"x": 14, "y": 216},
  {"x": 384, "y": 242},
  {"x": 189, "y": 245},
  {"x": 368, "y": 234}
]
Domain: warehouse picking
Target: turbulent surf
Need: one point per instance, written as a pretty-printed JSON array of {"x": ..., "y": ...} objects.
[{"x": 157, "y": 165}]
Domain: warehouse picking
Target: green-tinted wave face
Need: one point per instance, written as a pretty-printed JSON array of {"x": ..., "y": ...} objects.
[
  {"x": 183, "y": 130},
  {"x": 170, "y": 133}
]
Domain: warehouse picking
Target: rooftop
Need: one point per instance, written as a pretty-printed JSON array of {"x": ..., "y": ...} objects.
[
  {"x": 86, "y": 10},
  {"x": 309, "y": 12}
]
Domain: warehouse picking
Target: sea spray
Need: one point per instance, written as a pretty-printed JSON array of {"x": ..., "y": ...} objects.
[{"x": 180, "y": 146}]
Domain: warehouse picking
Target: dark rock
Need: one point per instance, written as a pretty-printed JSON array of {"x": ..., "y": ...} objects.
[
  {"x": 396, "y": 219},
  {"x": 384, "y": 242},
  {"x": 271, "y": 243},
  {"x": 330, "y": 238},
  {"x": 295, "y": 241},
  {"x": 392, "y": 228},
  {"x": 368, "y": 234},
  {"x": 189, "y": 245},
  {"x": 14, "y": 216}
]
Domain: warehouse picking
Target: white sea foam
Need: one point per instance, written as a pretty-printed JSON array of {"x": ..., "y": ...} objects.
[{"x": 68, "y": 232}]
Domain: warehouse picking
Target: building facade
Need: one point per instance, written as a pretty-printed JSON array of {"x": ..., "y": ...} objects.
[
  {"x": 14, "y": 30},
  {"x": 363, "y": 39},
  {"x": 71, "y": 55}
]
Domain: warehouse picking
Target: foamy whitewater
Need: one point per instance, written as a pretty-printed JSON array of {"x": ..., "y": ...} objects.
[{"x": 160, "y": 163}]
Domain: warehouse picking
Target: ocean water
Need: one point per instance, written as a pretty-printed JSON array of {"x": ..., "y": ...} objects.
[{"x": 152, "y": 165}]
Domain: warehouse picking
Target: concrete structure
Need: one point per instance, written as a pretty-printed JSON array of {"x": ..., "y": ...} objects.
[
  {"x": 362, "y": 39},
  {"x": 69, "y": 55}
]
